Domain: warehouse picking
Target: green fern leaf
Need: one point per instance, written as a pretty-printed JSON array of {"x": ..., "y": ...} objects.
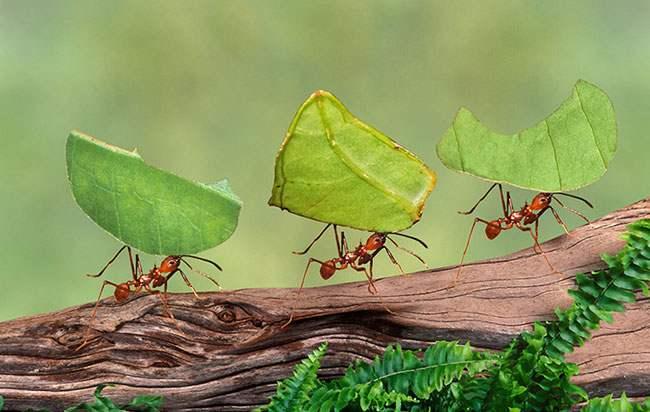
[
  {"x": 608, "y": 404},
  {"x": 529, "y": 375},
  {"x": 401, "y": 377},
  {"x": 292, "y": 394}
]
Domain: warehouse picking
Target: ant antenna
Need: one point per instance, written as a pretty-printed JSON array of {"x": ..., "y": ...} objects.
[
  {"x": 574, "y": 197},
  {"x": 409, "y": 237},
  {"x": 201, "y": 259}
]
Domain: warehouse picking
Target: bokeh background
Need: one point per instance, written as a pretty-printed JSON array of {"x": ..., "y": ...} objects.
[{"x": 207, "y": 89}]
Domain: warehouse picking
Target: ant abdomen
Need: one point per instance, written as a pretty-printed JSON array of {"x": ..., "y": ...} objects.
[
  {"x": 327, "y": 269},
  {"x": 122, "y": 292},
  {"x": 492, "y": 229}
]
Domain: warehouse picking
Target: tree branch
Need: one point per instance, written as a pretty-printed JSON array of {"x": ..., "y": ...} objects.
[{"x": 227, "y": 350}]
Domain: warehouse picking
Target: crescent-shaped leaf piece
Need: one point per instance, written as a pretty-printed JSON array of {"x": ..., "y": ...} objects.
[
  {"x": 334, "y": 168},
  {"x": 150, "y": 209},
  {"x": 569, "y": 149}
]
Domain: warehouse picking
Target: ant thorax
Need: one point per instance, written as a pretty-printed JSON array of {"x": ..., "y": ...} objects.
[
  {"x": 352, "y": 255},
  {"x": 518, "y": 215}
]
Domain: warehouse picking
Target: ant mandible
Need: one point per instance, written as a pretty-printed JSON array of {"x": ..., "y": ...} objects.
[
  {"x": 521, "y": 219},
  {"x": 356, "y": 258},
  {"x": 155, "y": 278}
]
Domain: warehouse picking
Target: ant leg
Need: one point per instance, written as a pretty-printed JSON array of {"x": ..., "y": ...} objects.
[
  {"x": 537, "y": 236},
  {"x": 302, "y": 284},
  {"x": 559, "y": 220},
  {"x": 187, "y": 282},
  {"x": 164, "y": 294},
  {"x": 344, "y": 245},
  {"x": 138, "y": 266},
  {"x": 339, "y": 244},
  {"x": 507, "y": 211},
  {"x": 94, "y": 313},
  {"x": 519, "y": 226},
  {"x": 390, "y": 256},
  {"x": 136, "y": 269},
  {"x": 133, "y": 267},
  {"x": 163, "y": 299},
  {"x": 371, "y": 284},
  {"x": 537, "y": 217},
  {"x": 99, "y": 297},
  {"x": 316, "y": 239},
  {"x": 410, "y": 252},
  {"x": 539, "y": 247},
  {"x": 469, "y": 212},
  {"x": 469, "y": 238},
  {"x": 101, "y": 272},
  {"x": 393, "y": 260}
]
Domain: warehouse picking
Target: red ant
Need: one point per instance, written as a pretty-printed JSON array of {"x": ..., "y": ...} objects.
[
  {"x": 521, "y": 219},
  {"x": 156, "y": 277},
  {"x": 356, "y": 258}
]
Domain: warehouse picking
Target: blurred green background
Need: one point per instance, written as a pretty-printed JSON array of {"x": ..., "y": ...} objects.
[{"x": 207, "y": 89}]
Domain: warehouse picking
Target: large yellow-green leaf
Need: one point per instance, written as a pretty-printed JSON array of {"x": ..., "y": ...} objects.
[
  {"x": 145, "y": 207},
  {"x": 334, "y": 168},
  {"x": 569, "y": 149}
]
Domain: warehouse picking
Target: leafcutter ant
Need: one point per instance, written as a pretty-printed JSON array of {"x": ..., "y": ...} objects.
[
  {"x": 357, "y": 258},
  {"x": 155, "y": 278},
  {"x": 521, "y": 219}
]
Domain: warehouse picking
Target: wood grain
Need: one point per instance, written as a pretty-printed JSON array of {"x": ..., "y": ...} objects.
[{"x": 226, "y": 351}]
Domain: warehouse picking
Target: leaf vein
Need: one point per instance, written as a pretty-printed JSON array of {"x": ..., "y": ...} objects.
[
  {"x": 591, "y": 127},
  {"x": 115, "y": 204},
  {"x": 353, "y": 167},
  {"x": 557, "y": 164},
  {"x": 460, "y": 153}
]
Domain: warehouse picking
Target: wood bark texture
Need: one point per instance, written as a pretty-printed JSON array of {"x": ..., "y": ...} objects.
[{"x": 226, "y": 351}]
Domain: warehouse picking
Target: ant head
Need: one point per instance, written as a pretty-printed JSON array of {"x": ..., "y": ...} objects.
[
  {"x": 375, "y": 241},
  {"x": 541, "y": 201},
  {"x": 170, "y": 264}
]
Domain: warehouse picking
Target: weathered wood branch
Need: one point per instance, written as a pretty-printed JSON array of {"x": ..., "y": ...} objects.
[{"x": 227, "y": 350}]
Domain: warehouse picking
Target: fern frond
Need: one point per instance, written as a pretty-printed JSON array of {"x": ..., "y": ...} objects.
[
  {"x": 531, "y": 374},
  {"x": 400, "y": 378},
  {"x": 535, "y": 361},
  {"x": 293, "y": 393},
  {"x": 608, "y": 404}
]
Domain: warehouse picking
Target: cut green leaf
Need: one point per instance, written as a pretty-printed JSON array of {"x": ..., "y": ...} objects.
[
  {"x": 145, "y": 207},
  {"x": 336, "y": 169},
  {"x": 566, "y": 151}
]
